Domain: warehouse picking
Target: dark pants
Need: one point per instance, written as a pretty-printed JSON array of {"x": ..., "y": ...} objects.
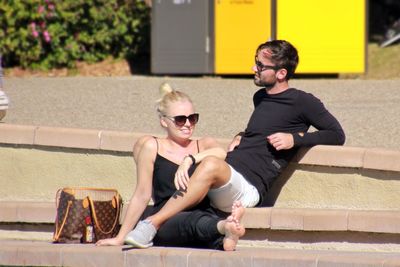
[{"x": 195, "y": 228}]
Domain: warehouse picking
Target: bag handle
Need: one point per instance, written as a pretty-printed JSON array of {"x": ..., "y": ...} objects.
[
  {"x": 58, "y": 230},
  {"x": 90, "y": 188},
  {"x": 95, "y": 216}
]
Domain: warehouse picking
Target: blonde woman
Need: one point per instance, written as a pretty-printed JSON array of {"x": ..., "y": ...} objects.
[{"x": 159, "y": 161}]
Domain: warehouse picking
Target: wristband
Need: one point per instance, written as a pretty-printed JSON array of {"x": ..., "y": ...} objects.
[{"x": 192, "y": 158}]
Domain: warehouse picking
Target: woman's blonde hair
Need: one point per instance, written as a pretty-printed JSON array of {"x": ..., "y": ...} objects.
[{"x": 168, "y": 96}]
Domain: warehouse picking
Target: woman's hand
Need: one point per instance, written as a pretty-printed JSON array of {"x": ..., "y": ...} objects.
[
  {"x": 110, "y": 242},
  {"x": 182, "y": 177}
]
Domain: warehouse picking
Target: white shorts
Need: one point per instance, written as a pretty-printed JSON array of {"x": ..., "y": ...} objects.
[{"x": 238, "y": 188}]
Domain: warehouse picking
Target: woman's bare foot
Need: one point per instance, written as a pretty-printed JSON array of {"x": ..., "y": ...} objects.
[{"x": 233, "y": 227}]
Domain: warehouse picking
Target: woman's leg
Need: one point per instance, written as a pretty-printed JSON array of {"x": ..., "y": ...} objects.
[{"x": 211, "y": 173}]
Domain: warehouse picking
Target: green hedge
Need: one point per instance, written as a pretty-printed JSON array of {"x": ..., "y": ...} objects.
[{"x": 44, "y": 34}]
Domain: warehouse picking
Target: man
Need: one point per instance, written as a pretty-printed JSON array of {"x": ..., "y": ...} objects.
[{"x": 277, "y": 128}]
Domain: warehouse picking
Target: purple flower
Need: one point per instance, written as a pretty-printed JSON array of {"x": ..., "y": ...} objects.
[
  {"x": 46, "y": 36},
  {"x": 51, "y": 6}
]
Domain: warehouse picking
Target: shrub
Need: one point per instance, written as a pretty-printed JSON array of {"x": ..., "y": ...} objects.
[{"x": 44, "y": 34}]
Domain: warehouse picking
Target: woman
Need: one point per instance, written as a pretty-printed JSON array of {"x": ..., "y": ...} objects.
[{"x": 159, "y": 161}]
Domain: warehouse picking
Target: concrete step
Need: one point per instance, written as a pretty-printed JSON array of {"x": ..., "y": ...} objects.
[
  {"x": 274, "y": 218},
  {"x": 47, "y": 254},
  {"x": 301, "y": 229}
]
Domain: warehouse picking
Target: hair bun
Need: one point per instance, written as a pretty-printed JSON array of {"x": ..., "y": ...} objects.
[{"x": 165, "y": 88}]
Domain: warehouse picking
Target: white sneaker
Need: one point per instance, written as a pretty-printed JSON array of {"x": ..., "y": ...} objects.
[
  {"x": 3, "y": 101},
  {"x": 142, "y": 236}
]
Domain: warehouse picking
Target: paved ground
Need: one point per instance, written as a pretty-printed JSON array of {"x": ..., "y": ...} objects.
[{"x": 368, "y": 110}]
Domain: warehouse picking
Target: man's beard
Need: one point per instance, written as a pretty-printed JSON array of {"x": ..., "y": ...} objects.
[{"x": 259, "y": 82}]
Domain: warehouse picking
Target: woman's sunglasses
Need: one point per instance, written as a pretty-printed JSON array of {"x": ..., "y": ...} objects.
[{"x": 180, "y": 120}]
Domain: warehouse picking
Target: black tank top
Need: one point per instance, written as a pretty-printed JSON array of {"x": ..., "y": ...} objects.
[{"x": 163, "y": 178}]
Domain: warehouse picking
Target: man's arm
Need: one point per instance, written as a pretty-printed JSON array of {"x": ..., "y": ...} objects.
[{"x": 329, "y": 131}]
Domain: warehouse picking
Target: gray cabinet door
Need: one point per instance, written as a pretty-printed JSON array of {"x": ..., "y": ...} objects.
[{"x": 181, "y": 37}]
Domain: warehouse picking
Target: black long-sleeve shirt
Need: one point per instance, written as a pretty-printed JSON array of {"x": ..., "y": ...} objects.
[{"x": 292, "y": 111}]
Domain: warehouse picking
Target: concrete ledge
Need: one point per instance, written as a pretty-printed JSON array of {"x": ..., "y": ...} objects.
[
  {"x": 255, "y": 218},
  {"x": 339, "y": 156},
  {"x": 27, "y": 212},
  {"x": 382, "y": 159},
  {"x": 118, "y": 141},
  {"x": 67, "y": 137},
  {"x": 47, "y": 254},
  {"x": 17, "y": 134}
]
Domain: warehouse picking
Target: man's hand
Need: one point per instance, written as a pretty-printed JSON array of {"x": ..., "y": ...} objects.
[
  {"x": 281, "y": 140},
  {"x": 235, "y": 142}
]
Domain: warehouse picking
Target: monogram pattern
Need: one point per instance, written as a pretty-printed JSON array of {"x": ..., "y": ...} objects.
[
  {"x": 74, "y": 211},
  {"x": 106, "y": 216}
]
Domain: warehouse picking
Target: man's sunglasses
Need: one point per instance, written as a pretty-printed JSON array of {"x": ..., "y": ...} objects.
[
  {"x": 180, "y": 120},
  {"x": 261, "y": 67}
]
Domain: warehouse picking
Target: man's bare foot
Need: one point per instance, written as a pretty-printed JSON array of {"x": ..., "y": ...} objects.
[
  {"x": 233, "y": 227},
  {"x": 237, "y": 211}
]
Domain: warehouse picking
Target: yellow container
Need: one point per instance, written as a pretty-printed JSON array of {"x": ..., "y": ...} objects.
[
  {"x": 240, "y": 26},
  {"x": 330, "y": 35}
]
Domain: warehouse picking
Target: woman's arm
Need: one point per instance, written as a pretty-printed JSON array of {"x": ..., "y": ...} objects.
[
  {"x": 208, "y": 147},
  {"x": 141, "y": 197},
  {"x": 137, "y": 147}
]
